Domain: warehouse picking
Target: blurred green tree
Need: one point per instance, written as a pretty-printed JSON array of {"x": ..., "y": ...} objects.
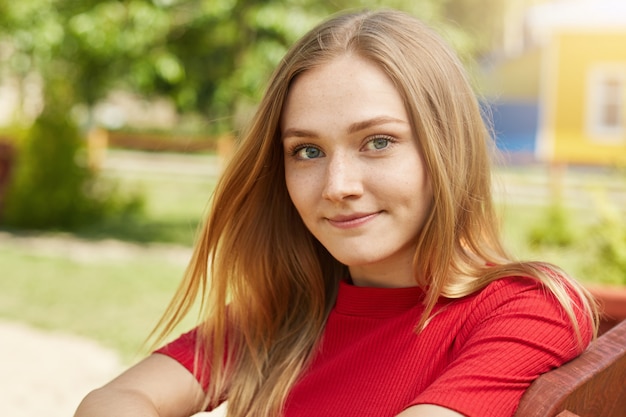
[
  {"x": 49, "y": 189},
  {"x": 210, "y": 57}
]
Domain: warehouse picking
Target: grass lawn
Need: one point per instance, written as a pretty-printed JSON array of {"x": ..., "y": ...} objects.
[{"x": 115, "y": 303}]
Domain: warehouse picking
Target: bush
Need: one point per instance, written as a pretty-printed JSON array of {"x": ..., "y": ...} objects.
[
  {"x": 606, "y": 241},
  {"x": 554, "y": 230},
  {"x": 600, "y": 246},
  {"x": 51, "y": 186}
]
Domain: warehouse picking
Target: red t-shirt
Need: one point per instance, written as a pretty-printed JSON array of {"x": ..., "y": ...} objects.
[{"x": 477, "y": 355}]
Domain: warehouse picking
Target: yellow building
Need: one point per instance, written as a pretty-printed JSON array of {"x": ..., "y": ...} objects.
[{"x": 582, "y": 100}]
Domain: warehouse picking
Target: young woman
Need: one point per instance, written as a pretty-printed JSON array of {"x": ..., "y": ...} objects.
[{"x": 354, "y": 259}]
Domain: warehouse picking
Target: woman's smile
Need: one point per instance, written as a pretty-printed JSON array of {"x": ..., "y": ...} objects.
[{"x": 351, "y": 221}]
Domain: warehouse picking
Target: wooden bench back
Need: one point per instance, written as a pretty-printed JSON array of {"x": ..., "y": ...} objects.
[{"x": 592, "y": 385}]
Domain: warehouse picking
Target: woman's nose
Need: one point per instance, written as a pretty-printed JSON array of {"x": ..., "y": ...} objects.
[{"x": 343, "y": 178}]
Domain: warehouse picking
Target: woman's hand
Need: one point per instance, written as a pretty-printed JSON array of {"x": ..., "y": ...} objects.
[{"x": 158, "y": 386}]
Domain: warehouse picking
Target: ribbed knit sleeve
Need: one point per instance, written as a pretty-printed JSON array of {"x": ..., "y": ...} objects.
[
  {"x": 514, "y": 332},
  {"x": 183, "y": 350}
]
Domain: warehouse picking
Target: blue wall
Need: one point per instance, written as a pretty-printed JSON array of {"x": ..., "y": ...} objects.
[{"x": 515, "y": 125}]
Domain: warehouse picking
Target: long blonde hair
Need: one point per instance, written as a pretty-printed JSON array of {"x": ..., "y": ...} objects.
[{"x": 272, "y": 284}]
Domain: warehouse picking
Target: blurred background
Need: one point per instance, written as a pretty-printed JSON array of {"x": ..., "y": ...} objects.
[{"x": 116, "y": 118}]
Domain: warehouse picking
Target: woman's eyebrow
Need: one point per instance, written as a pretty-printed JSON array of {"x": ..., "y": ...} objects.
[
  {"x": 353, "y": 128},
  {"x": 375, "y": 121},
  {"x": 298, "y": 133}
]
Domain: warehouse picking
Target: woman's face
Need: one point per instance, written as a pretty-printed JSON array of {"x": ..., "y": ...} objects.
[{"x": 353, "y": 169}]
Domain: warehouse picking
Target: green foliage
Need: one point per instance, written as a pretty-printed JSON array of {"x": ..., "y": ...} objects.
[
  {"x": 554, "y": 229},
  {"x": 51, "y": 186},
  {"x": 606, "y": 241},
  {"x": 600, "y": 245},
  {"x": 211, "y": 57}
]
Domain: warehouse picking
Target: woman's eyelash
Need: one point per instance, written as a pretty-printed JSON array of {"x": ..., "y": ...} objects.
[{"x": 387, "y": 137}]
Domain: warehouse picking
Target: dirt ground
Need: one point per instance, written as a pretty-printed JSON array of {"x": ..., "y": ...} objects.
[
  {"x": 45, "y": 373},
  {"x": 48, "y": 373}
]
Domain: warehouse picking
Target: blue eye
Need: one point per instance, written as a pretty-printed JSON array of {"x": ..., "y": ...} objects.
[
  {"x": 378, "y": 143},
  {"x": 308, "y": 152}
]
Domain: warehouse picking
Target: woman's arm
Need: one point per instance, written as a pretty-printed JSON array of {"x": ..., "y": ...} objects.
[
  {"x": 428, "y": 410},
  {"x": 158, "y": 386}
]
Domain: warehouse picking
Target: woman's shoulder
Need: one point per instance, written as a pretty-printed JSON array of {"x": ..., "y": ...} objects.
[{"x": 519, "y": 304}]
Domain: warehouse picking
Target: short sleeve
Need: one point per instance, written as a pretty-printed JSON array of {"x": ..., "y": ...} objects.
[
  {"x": 184, "y": 350},
  {"x": 516, "y": 332}
]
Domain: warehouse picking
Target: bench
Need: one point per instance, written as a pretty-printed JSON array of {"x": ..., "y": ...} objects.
[{"x": 592, "y": 385}]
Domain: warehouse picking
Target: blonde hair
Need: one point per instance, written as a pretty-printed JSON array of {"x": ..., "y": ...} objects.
[{"x": 272, "y": 284}]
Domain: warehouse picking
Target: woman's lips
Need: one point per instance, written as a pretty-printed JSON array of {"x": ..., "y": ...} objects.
[{"x": 351, "y": 220}]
